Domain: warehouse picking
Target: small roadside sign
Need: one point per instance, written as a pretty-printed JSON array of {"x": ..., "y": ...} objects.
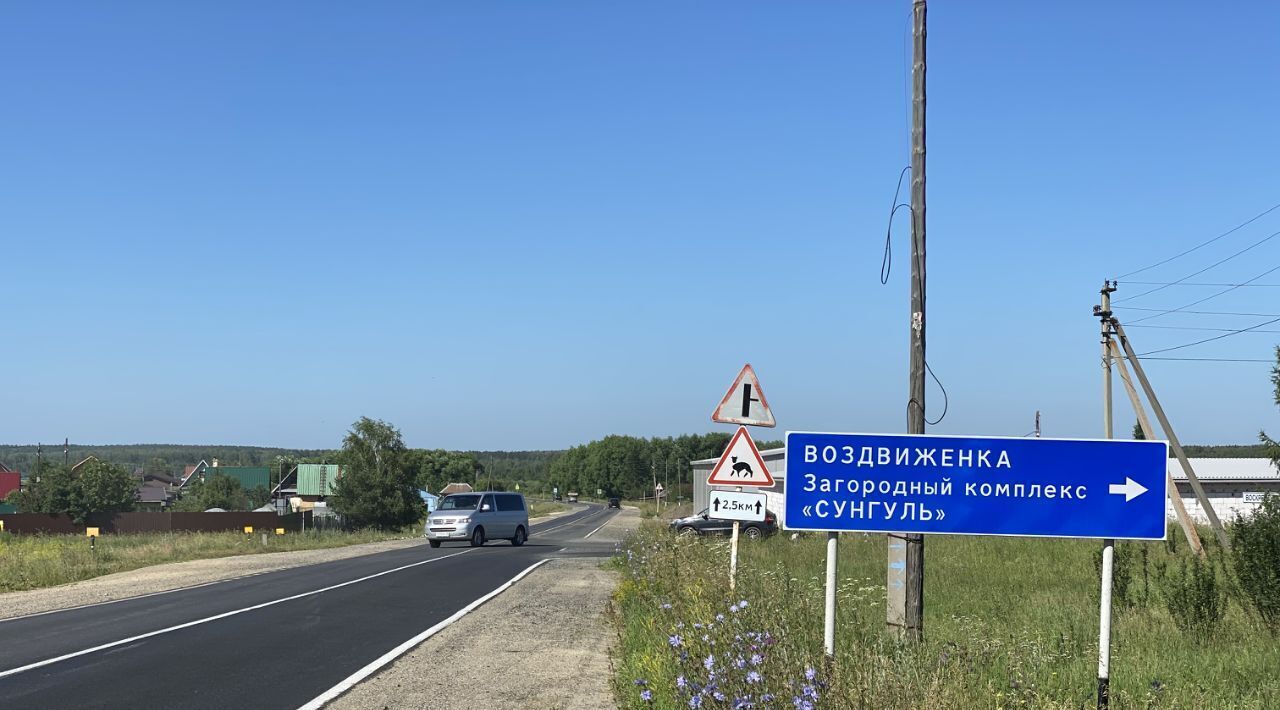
[
  {"x": 91, "y": 532},
  {"x": 732, "y": 505},
  {"x": 740, "y": 464},
  {"x": 744, "y": 403}
]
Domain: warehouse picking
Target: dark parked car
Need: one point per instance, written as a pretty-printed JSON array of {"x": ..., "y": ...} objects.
[
  {"x": 615, "y": 502},
  {"x": 559, "y": 498},
  {"x": 703, "y": 524}
]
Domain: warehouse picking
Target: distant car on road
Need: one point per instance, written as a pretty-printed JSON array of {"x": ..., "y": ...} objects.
[
  {"x": 703, "y": 524},
  {"x": 479, "y": 517},
  {"x": 615, "y": 502},
  {"x": 573, "y": 497}
]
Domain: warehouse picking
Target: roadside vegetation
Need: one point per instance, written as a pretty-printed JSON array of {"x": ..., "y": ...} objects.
[
  {"x": 540, "y": 509},
  {"x": 37, "y": 561},
  {"x": 1010, "y": 623}
]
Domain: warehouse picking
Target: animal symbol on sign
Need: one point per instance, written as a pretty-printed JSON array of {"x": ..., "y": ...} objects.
[{"x": 741, "y": 468}]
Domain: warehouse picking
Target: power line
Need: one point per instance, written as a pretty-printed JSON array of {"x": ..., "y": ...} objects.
[
  {"x": 1189, "y": 327},
  {"x": 1215, "y": 264},
  {"x": 1209, "y": 340},
  {"x": 886, "y": 264},
  {"x": 1234, "y": 229},
  {"x": 1204, "y": 359},
  {"x": 1212, "y": 296},
  {"x": 1187, "y": 283},
  {"x": 1199, "y": 313}
]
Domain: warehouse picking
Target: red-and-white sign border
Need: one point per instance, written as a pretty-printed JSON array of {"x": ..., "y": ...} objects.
[{"x": 724, "y": 457}]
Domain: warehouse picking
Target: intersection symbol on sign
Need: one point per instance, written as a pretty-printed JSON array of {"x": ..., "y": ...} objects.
[{"x": 744, "y": 403}]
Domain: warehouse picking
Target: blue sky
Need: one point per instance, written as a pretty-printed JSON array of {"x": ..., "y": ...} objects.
[{"x": 517, "y": 225}]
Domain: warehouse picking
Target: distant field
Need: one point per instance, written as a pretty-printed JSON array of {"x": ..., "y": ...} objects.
[
  {"x": 1010, "y": 623},
  {"x": 36, "y": 561}
]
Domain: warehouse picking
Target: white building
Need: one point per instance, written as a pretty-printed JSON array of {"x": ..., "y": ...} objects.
[{"x": 1234, "y": 486}]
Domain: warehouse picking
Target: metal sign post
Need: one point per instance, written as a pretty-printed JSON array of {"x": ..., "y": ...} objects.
[
  {"x": 1108, "y": 545},
  {"x": 733, "y": 558},
  {"x": 741, "y": 464},
  {"x": 736, "y": 506}
]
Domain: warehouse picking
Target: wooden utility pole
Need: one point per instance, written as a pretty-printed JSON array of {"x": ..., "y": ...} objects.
[
  {"x": 906, "y": 552},
  {"x": 1149, "y": 433},
  {"x": 1201, "y": 496}
]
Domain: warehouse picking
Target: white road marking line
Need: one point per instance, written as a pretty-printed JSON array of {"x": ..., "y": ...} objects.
[
  {"x": 573, "y": 522},
  {"x": 216, "y": 581},
  {"x": 149, "y": 634},
  {"x": 140, "y": 596},
  {"x": 400, "y": 650},
  {"x": 593, "y": 532}
]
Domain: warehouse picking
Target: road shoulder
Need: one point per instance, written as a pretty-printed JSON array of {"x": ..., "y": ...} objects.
[{"x": 543, "y": 643}]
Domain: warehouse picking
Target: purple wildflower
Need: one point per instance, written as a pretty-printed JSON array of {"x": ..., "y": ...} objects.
[
  {"x": 695, "y": 701},
  {"x": 756, "y": 659},
  {"x": 809, "y": 673},
  {"x": 676, "y": 641},
  {"x": 709, "y": 662},
  {"x": 681, "y": 682},
  {"x": 646, "y": 695},
  {"x": 754, "y": 677}
]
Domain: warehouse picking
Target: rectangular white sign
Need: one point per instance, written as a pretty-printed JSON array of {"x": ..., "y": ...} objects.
[
  {"x": 731, "y": 505},
  {"x": 1252, "y": 497}
]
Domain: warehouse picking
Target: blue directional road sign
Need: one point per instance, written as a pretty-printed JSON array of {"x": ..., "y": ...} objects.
[{"x": 976, "y": 486}]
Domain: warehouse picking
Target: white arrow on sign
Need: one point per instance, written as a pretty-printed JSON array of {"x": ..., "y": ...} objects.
[{"x": 1130, "y": 489}]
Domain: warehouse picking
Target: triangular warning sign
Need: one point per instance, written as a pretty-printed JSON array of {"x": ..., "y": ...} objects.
[
  {"x": 740, "y": 464},
  {"x": 744, "y": 403}
]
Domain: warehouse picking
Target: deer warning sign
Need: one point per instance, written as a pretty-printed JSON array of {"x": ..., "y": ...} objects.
[{"x": 740, "y": 464}]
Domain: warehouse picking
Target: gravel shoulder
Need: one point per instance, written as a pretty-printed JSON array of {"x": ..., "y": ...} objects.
[
  {"x": 178, "y": 575},
  {"x": 544, "y": 643}
]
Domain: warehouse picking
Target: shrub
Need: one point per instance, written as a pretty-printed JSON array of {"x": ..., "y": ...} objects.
[
  {"x": 1195, "y": 598},
  {"x": 1255, "y": 550},
  {"x": 1121, "y": 574}
]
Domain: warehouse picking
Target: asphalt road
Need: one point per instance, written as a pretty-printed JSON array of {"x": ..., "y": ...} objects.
[{"x": 271, "y": 641}]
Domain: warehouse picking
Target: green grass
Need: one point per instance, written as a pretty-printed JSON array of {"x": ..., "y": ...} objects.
[
  {"x": 649, "y": 509},
  {"x": 37, "y": 561},
  {"x": 538, "y": 509},
  {"x": 1009, "y": 622}
]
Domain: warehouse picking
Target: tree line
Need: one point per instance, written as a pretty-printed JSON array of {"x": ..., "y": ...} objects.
[{"x": 628, "y": 466}]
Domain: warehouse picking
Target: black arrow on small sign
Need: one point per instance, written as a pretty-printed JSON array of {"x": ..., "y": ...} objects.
[
  {"x": 757, "y": 507},
  {"x": 716, "y": 505}
]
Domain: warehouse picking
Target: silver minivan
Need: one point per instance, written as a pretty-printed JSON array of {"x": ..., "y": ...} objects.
[{"x": 478, "y": 517}]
